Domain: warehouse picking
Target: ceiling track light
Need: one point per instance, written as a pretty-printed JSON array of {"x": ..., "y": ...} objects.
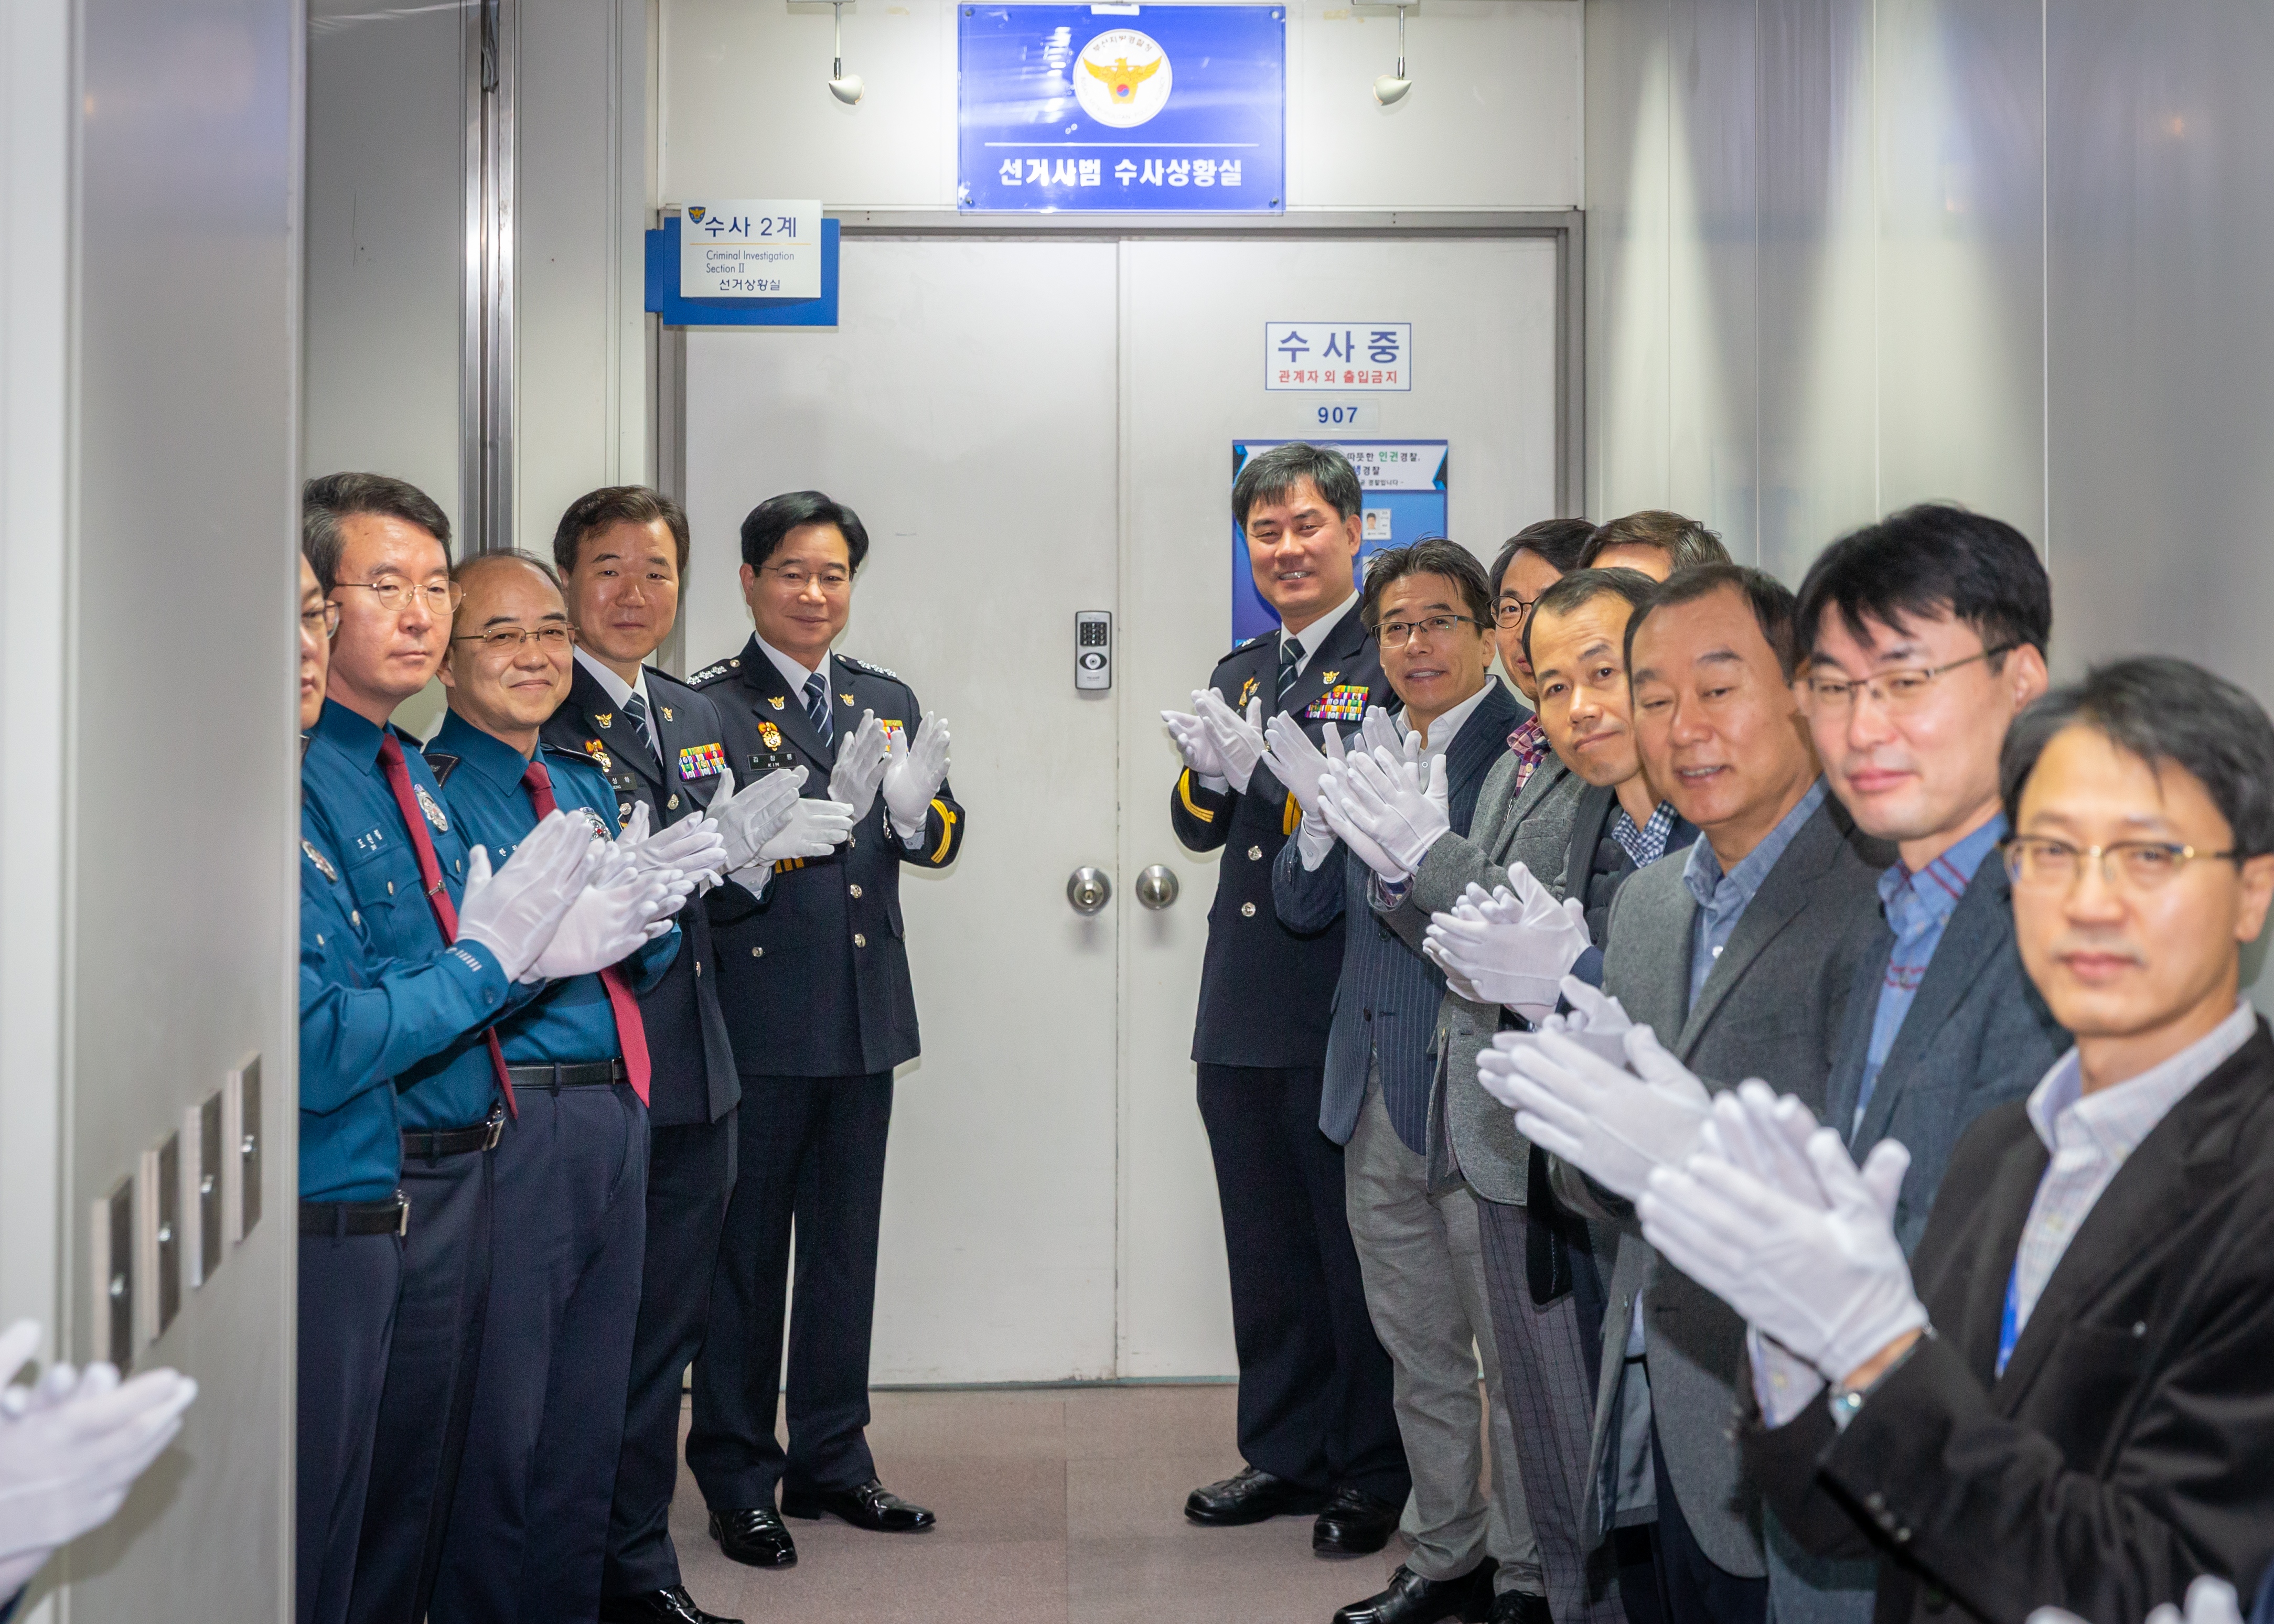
[
  {"x": 846, "y": 87},
  {"x": 1391, "y": 87}
]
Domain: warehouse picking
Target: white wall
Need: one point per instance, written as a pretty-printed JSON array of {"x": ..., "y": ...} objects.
[{"x": 1493, "y": 121}]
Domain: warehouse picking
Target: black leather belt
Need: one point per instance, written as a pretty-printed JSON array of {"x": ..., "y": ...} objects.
[
  {"x": 587, "y": 1074},
  {"x": 391, "y": 1216},
  {"x": 433, "y": 1144}
]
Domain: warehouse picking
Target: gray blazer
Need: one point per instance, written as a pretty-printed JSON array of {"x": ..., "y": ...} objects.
[
  {"x": 1387, "y": 998},
  {"x": 1472, "y": 1135},
  {"x": 1772, "y": 1008}
]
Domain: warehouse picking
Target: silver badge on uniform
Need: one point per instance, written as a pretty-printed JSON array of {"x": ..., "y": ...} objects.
[
  {"x": 433, "y": 812},
  {"x": 322, "y": 867},
  {"x": 600, "y": 830}
]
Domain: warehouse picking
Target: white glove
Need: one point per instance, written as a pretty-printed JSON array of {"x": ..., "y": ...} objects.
[
  {"x": 751, "y": 816},
  {"x": 2211, "y": 1600},
  {"x": 693, "y": 846},
  {"x": 813, "y": 829},
  {"x": 610, "y": 922},
  {"x": 1296, "y": 762},
  {"x": 1595, "y": 1021},
  {"x": 1332, "y": 789},
  {"x": 1615, "y": 1126},
  {"x": 1404, "y": 811},
  {"x": 1197, "y": 746},
  {"x": 1378, "y": 730},
  {"x": 1825, "y": 1278},
  {"x": 860, "y": 766},
  {"x": 1515, "y": 952},
  {"x": 912, "y": 775},
  {"x": 1238, "y": 740},
  {"x": 71, "y": 1447},
  {"x": 515, "y": 911}
]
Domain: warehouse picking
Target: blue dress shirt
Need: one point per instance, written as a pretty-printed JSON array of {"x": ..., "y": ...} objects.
[
  {"x": 1722, "y": 898},
  {"x": 1918, "y": 907},
  {"x": 569, "y": 1021},
  {"x": 350, "y": 814}
]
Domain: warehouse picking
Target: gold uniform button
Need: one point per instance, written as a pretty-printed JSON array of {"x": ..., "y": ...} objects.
[
  {"x": 859, "y": 940},
  {"x": 1255, "y": 853},
  {"x": 354, "y": 917},
  {"x": 1247, "y": 910},
  {"x": 856, "y": 892},
  {"x": 757, "y": 952},
  {"x": 390, "y": 888}
]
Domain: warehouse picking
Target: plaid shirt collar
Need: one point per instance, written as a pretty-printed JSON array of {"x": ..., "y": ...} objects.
[
  {"x": 1530, "y": 743},
  {"x": 1645, "y": 844}
]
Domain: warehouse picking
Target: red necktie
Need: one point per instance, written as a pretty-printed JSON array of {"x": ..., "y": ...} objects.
[
  {"x": 430, "y": 875},
  {"x": 631, "y": 1033}
]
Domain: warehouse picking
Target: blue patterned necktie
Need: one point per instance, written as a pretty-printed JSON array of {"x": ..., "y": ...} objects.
[
  {"x": 816, "y": 705},
  {"x": 635, "y": 708},
  {"x": 1291, "y": 664}
]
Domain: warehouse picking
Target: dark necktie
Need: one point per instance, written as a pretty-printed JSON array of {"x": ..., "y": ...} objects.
[
  {"x": 429, "y": 877},
  {"x": 816, "y": 705},
  {"x": 631, "y": 1031},
  {"x": 635, "y": 708},
  {"x": 1291, "y": 664}
]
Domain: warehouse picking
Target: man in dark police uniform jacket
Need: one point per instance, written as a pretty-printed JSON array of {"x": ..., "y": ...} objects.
[{"x": 1316, "y": 1429}]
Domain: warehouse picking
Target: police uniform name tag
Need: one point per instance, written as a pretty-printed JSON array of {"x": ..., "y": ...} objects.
[
  {"x": 1344, "y": 702},
  {"x": 702, "y": 761}
]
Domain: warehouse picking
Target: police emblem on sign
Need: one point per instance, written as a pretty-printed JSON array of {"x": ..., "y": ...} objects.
[
  {"x": 322, "y": 867},
  {"x": 433, "y": 812}
]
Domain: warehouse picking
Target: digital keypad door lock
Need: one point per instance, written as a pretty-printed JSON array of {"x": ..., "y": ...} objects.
[{"x": 1092, "y": 649}]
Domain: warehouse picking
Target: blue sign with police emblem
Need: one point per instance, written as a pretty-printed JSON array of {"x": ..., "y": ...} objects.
[{"x": 1122, "y": 109}]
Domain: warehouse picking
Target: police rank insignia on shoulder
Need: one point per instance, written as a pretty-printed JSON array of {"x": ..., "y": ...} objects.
[
  {"x": 426, "y": 804},
  {"x": 712, "y": 672},
  {"x": 702, "y": 761},
  {"x": 323, "y": 867},
  {"x": 1345, "y": 703},
  {"x": 873, "y": 669}
]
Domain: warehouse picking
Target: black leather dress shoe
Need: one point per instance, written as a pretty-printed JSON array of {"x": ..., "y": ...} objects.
[
  {"x": 1413, "y": 1599},
  {"x": 671, "y": 1606},
  {"x": 755, "y": 1538},
  {"x": 1354, "y": 1523},
  {"x": 1251, "y": 1495},
  {"x": 869, "y": 1506},
  {"x": 1516, "y": 1607}
]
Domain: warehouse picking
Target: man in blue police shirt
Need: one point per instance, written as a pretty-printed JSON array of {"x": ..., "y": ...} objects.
[
  {"x": 815, "y": 987},
  {"x": 527, "y": 1533},
  {"x": 620, "y": 551},
  {"x": 392, "y": 975},
  {"x": 1316, "y": 1429}
]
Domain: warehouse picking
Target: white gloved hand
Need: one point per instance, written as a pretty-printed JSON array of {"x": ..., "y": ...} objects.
[
  {"x": 1615, "y": 1126},
  {"x": 694, "y": 845},
  {"x": 1238, "y": 738},
  {"x": 610, "y": 922},
  {"x": 1378, "y": 731},
  {"x": 2211, "y": 1600},
  {"x": 1400, "y": 803},
  {"x": 753, "y": 814},
  {"x": 1595, "y": 1021},
  {"x": 1314, "y": 840},
  {"x": 860, "y": 766},
  {"x": 1296, "y": 762},
  {"x": 813, "y": 829},
  {"x": 1333, "y": 791},
  {"x": 1516, "y": 949},
  {"x": 1827, "y": 1278},
  {"x": 914, "y": 772},
  {"x": 1196, "y": 745},
  {"x": 71, "y": 1447},
  {"x": 515, "y": 911}
]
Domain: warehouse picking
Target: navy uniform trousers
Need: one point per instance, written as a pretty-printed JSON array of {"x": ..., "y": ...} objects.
[{"x": 348, "y": 1287}]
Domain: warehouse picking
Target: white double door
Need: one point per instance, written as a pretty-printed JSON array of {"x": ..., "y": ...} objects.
[{"x": 1030, "y": 427}]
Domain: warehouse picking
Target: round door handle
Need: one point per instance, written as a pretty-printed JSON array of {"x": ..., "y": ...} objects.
[
  {"x": 1156, "y": 886},
  {"x": 1088, "y": 889}
]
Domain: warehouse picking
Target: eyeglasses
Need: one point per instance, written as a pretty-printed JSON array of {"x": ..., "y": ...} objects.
[
  {"x": 1395, "y": 634},
  {"x": 797, "y": 577},
  {"x": 395, "y": 595},
  {"x": 509, "y": 639},
  {"x": 321, "y": 621},
  {"x": 1895, "y": 691},
  {"x": 2042, "y": 863},
  {"x": 1514, "y": 611}
]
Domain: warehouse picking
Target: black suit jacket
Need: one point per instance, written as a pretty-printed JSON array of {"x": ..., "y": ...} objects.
[
  {"x": 1265, "y": 989},
  {"x": 813, "y": 976},
  {"x": 1595, "y": 865},
  {"x": 2129, "y": 1446},
  {"x": 693, "y": 1063}
]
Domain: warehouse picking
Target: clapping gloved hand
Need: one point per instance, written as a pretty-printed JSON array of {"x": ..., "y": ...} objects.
[
  {"x": 515, "y": 911},
  {"x": 620, "y": 910},
  {"x": 693, "y": 846},
  {"x": 1197, "y": 746},
  {"x": 860, "y": 766},
  {"x": 1615, "y": 1125},
  {"x": 914, "y": 772},
  {"x": 1388, "y": 808},
  {"x": 753, "y": 814},
  {"x": 1303, "y": 767},
  {"x": 71, "y": 1446},
  {"x": 1797, "y": 1240},
  {"x": 1513, "y": 947},
  {"x": 2211, "y": 1600},
  {"x": 1238, "y": 740}
]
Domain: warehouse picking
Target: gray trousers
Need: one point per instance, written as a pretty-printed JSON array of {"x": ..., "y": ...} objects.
[{"x": 1422, "y": 1259}]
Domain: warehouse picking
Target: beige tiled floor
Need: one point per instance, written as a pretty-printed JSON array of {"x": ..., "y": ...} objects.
[{"x": 1057, "y": 1505}]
